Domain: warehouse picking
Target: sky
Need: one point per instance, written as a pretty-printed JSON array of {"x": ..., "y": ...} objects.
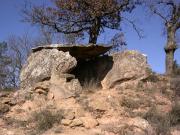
[{"x": 152, "y": 44}]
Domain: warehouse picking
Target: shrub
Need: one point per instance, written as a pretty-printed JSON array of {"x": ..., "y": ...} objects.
[
  {"x": 162, "y": 123},
  {"x": 28, "y": 96},
  {"x": 175, "y": 114},
  {"x": 130, "y": 103},
  {"x": 45, "y": 119},
  {"x": 175, "y": 84},
  {"x": 15, "y": 122}
]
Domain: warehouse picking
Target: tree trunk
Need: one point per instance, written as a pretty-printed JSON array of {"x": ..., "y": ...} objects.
[
  {"x": 170, "y": 48},
  {"x": 169, "y": 61},
  {"x": 94, "y": 31}
]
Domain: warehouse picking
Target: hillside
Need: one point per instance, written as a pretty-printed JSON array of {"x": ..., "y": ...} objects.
[{"x": 105, "y": 95}]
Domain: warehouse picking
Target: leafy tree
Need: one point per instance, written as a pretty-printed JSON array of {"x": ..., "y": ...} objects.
[
  {"x": 4, "y": 62},
  {"x": 79, "y": 16},
  {"x": 169, "y": 12}
]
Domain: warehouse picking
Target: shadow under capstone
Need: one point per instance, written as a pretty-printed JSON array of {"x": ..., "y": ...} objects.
[{"x": 92, "y": 70}]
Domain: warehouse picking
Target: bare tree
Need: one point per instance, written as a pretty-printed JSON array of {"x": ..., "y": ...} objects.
[
  {"x": 169, "y": 12},
  {"x": 79, "y": 16},
  {"x": 4, "y": 62},
  {"x": 72, "y": 39},
  {"x": 118, "y": 42},
  {"x": 19, "y": 49},
  {"x": 45, "y": 37}
]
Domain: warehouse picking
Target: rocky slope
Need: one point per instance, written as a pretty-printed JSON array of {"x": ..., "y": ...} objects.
[{"x": 132, "y": 100}]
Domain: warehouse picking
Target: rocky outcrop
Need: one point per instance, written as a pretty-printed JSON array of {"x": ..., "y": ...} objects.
[
  {"x": 128, "y": 65},
  {"x": 43, "y": 64},
  {"x": 131, "y": 98},
  {"x": 51, "y": 79}
]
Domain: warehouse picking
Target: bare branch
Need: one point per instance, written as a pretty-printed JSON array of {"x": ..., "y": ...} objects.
[
  {"x": 158, "y": 13},
  {"x": 171, "y": 3},
  {"x": 137, "y": 30},
  {"x": 178, "y": 25}
]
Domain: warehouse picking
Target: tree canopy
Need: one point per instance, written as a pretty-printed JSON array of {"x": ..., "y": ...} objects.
[{"x": 79, "y": 16}]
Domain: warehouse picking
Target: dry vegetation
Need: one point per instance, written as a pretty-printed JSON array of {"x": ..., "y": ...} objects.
[{"x": 45, "y": 119}]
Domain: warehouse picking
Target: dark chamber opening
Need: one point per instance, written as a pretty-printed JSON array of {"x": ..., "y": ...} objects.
[{"x": 93, "y": 70}]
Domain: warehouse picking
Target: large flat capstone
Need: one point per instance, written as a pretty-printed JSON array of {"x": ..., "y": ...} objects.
[{"x": 79, "y": 52}]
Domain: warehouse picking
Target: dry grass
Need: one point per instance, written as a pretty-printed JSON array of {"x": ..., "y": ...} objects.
[
  {"x": 163, "y": 122},
  {"x": 175, "y": 84},
  {"x": 15, "y": 122},
  {"x": 175, "y": 114},
  {"x": 39, "y": 122},
  {"x": 28, "y": 96},
  {"x": 91, "y": 85},
  {"x": 135, "y": 102},
  {"x": 130, "y": 103},
  {"x": 45, "y": 119},
  {"x": 120, "y": 129}
]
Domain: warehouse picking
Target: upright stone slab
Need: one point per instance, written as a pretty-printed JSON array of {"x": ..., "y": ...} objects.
[
  {"x": 42, "y": 64},
  {"x": 128, "y": 65}
]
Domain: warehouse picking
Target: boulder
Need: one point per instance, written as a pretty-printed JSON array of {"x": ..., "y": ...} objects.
[
  {"x": 89, "y": 122},
  {"x": 76, "y": 122},
  {"x": 127, "y": 66},
  {"x": 66, "y": 122},
  {"x": 40, "y": 66},
  {"x": 141, "y": 125},
  {"x": 175, "y": 130},
  {"x": 63, "y": 88},
  {"x": 69, "y": 114}
]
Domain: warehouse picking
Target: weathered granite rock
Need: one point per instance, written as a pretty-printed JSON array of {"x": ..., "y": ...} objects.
[
  {"x": 40, "y": 66},
  {"x": 89, "y": 122},
  {"x": 64, "y": 86},
  {"x": 142, "y": 126},
  {"x": 128, "y": 65},
  {"x": 69, "y": 114},
  {"x": 76, "y": 122},
  {"x": 66, "y": 122}
]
